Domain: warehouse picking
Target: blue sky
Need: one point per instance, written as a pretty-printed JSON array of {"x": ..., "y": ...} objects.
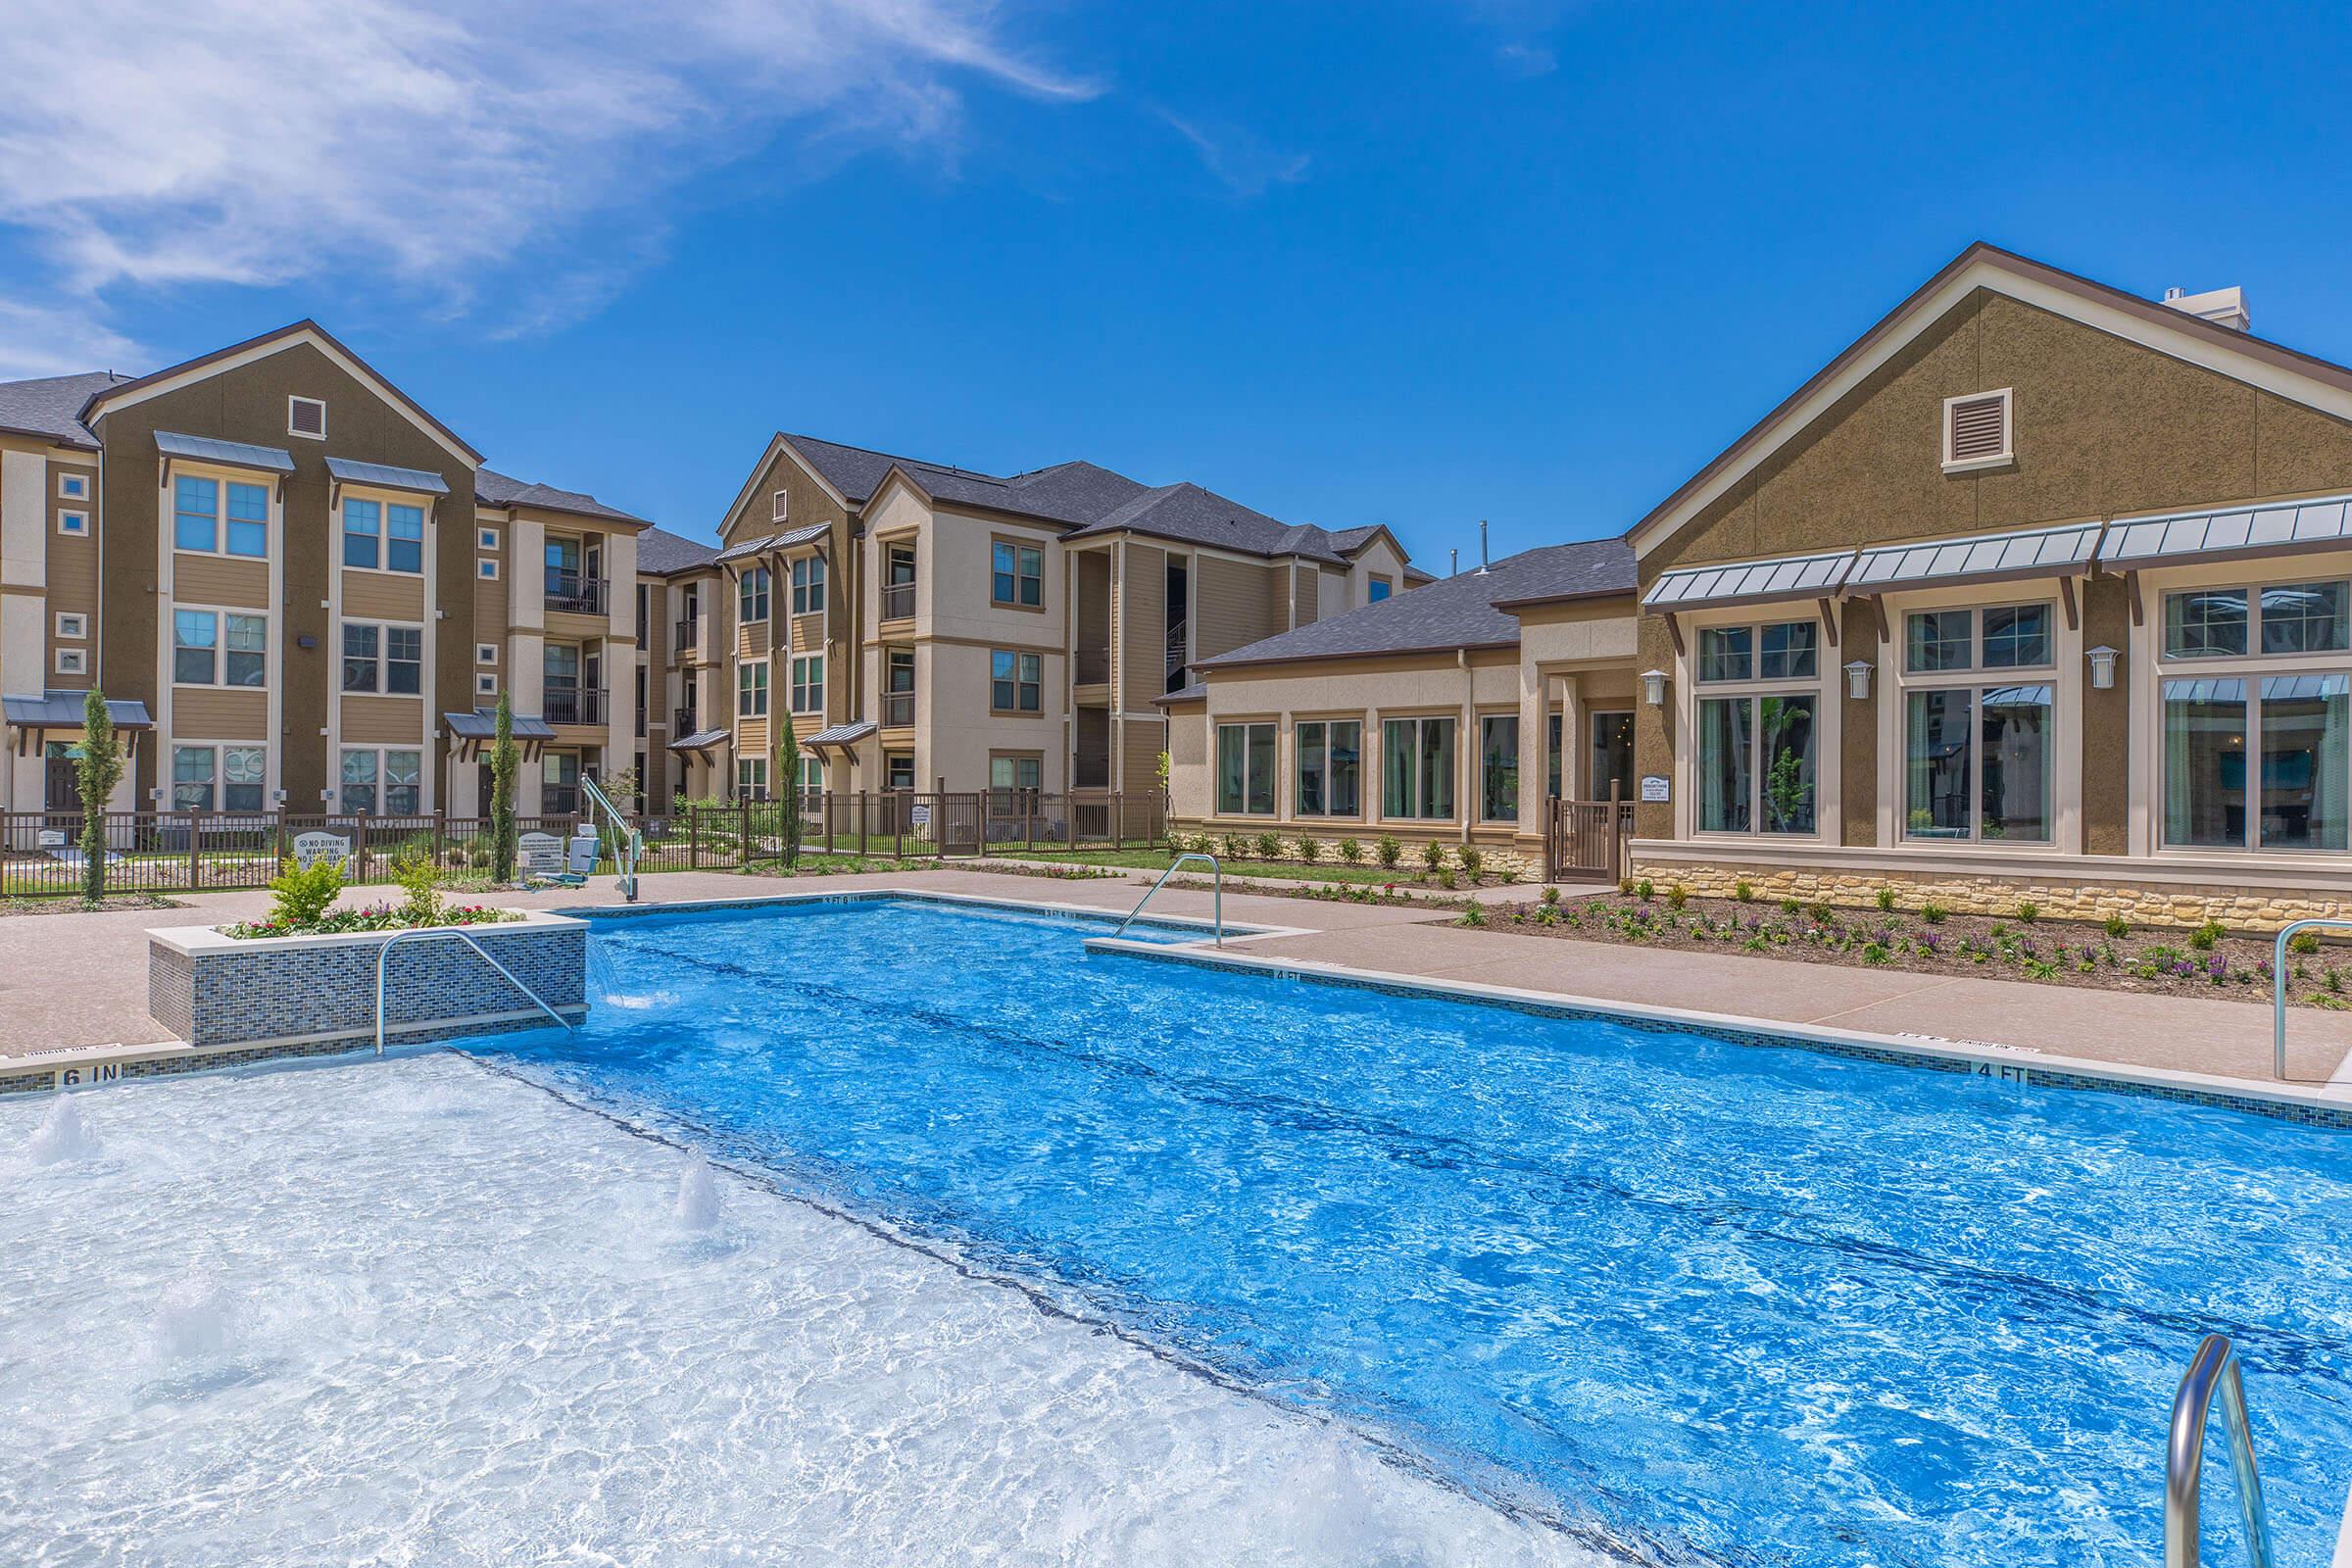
[{"x": 1418, "y": 263}]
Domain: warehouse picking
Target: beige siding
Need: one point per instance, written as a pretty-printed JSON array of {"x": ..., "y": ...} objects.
[
  {"x": 1235, "y": 606},
  {"x": 751, "y": 737},
  {"x": 382, "y": 596},
  {"x": 1140, "y": 774},
  {"x": 73, "y": 589},
  {"x": 1144, "y": 631},
  {"x": 750, "y": 639},
  {"x": 205, "y": 713},
  {"x": 383, "y": 721},
  {"x": 220, "y": 581},
  {"x": 807, "y": 633}
]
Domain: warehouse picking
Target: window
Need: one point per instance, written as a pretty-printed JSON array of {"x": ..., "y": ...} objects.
[
  {"x": 73, "y": 486},
  {"x": 751, "y": 777},
  {"x": 1976, "y": 431},
  {"x": 486, "y": 538},
  {"x": 404, "y": 538},
  {"x": 362, "y": 654},
  {"x": 486, "y": 568},
  {"x": 751, "y": 691},
  {"x": 2296, "y": 729},
  {"x": 750, "y": 596},
  {"x": 247, "y": 658},
  {"x": 485, "y": 653},
  {"x": 1246, "y": 769},
  {"x": 1978, "y": 762},
  {"x": 897, "y": 687},
  {"x": 384, "y": 659},
  {"x": 2296, "y": 618},
  {"x": 813, "y": 774},
  {"x": 230, "y": 778},
  {"x": 809, "y": 684},
  {"x": 243, "y": 777},
  {"x": 360, "y": 770},
  {"x": 1018, "y": 575},
  {"x": 72, "y": 626},
  {"x": 1417, "y": 768},
  {"x": 194, "y": 770},
  {"x": 73, "y": 660},
  {"x": 560, "y": 782},
  {"x": 1498, "y": 767},
  {"x": 1010, "y": 777},
  {"x": 644, "y": 611},
  {"x": 197, "y": 522},
  {"x": 306, "y": 416},
  {"x": 808, "y": 586},
  {"x": 362, "y": 531},
  {"x": 1612, "y": 764},
  {"x": 1756, "y": 769},
  {"x": 897, "y": 770},
  {"x": 403, "y": 661},
  {"x": 1015, "y": 682},
  {"x": 1779, "y": 651},
  {"x": 1330, "y": 765},
  {"x": 74, "y": 523},
  {"x": 783, "y": 506},
  {"x": 485, "y": 685},
  {"x": 1381, "y": 589},
  {"x": 196, "y": 643}
]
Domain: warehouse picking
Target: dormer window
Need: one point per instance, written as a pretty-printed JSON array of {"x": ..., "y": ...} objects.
[
  {"x": 1976, "y": 431},
  {"x": 306, "y": 416}
]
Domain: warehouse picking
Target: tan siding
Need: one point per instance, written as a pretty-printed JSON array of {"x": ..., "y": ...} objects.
[
  {"x": 383, "y": 721},
  {"x": 383, "y": 595},
  {"x": 490, "y": 619},
  {"x": 220, "y": 716},
  {"x": 220, "y": 581},
  {"x": 1309, "y": 596},
  {"x": 750, "y": 639},
  {"x": 73, "y": 589},
  {"x": 1234, "y": 601},
  {"x": 1143, "y": 642},
  {"x": 1138, "y": 773},
  {"x": 807, "y": 634},
  {"x": 751, "y": 737}
]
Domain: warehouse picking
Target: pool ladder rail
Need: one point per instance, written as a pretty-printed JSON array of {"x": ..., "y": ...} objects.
[
  {"x": 385, "y": 951},
  {"x": 1216, "y": 871},
  {"x": 628, "y": 842},
  {"x": 2212, "y": 1370},
  {"x": 2278, "y": 983}
]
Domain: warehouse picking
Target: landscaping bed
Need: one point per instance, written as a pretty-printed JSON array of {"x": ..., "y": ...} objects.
[
  {"x": 1378, "y": 862},
  {"x": 2163, "y": 961},
  {"x": 73, "y": 904}
]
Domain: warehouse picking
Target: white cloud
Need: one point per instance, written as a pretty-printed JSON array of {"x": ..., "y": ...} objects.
[
  {"x": 432, "y": 144},
  {"x": 1241, "y": 157},
  {"x": 49, "y": 340}
]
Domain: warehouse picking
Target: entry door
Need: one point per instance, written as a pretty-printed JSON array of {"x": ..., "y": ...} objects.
[
  {"x": 60, "y": 790},
  {"x": 1612, "y": 755}
]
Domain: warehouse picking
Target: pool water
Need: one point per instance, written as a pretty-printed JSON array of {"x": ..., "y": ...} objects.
[{"x": 1707, "y": 1299}]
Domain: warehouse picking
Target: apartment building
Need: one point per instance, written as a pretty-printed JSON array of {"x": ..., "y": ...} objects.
[
  {"x": 301, "y": 591},
  {"x": 922, "y": 622}
]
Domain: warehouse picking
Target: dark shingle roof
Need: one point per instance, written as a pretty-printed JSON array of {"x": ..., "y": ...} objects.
[
  {"x": 1189, "y": 514},
  {"x": 661, "y": 553},
  {"x": 52, "y": 405},
  {"x": 495, "y": 489},
  {"x": 1453, "y": 611}
]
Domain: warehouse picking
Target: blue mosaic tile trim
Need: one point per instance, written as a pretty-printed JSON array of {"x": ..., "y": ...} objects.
[
  {"x": 2335, "y": 1119},
  {"x": 784, "y": 903}
]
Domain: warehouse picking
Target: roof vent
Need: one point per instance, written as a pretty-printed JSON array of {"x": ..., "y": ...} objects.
[
  {"x": 306, "y": 416},
  {"x": 2223, "y": 307},
  {"x": 1976, "y": 431}
]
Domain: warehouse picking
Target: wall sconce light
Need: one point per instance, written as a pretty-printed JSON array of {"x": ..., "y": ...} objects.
[
  {"x": 2102, "y": 666},
  {"x": 1857, "y": 680},
  {"x": 1653, "y": 687}
]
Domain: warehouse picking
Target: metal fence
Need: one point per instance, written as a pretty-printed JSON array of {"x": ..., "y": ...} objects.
[{"x": 179, "y": 852}]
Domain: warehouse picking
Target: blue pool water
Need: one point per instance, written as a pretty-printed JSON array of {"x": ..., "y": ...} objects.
[{"x": 1712, "y": 1301}]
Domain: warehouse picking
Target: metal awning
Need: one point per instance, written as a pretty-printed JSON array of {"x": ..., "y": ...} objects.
[
  {"x": 1981, "y": 558},
  {"x": 2243, "y": 531},
  {"x": 35, "y": 719},
  {"x": 235, "y": 454},
  {"x": 422, "y": 480},
  {"x": 702, "y": 740},
  {"x": 775, "y": 541},
  {"x": 841, "y": 734},
  {"x": 1749, "y": 582},
  {"x": 473, "y": 732}
]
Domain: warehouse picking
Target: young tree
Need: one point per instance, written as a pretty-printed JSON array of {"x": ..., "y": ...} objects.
[
  {"x": 505, "y": 761},
  {"x": 788, "y": 778},
  {"x": 97, "y": 770}
]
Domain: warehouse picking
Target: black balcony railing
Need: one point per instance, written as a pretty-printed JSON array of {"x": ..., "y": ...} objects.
[
  {"x": 685, "y": 721},
  {"x": 897, "y": 601},
  {"x": 689, "y": 634},
  {"x": 576, "y": 592},
  {"x": 1094, "y": 665},
  {"x": 898, "y": 709},
  {"x": 565, "y": 704}
]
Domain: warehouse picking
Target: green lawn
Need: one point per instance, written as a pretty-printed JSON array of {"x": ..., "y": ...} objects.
[{"x": 1157, "y": 861}]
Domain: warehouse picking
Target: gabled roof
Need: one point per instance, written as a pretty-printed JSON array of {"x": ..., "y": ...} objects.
[
  {"x": 50, "y": 406},
  {"x": 2274, "y": 367},
  {"x": 1187, "y": 514},
  {"x": 494, "y": 489},
  {"x": 1459, "y": 611},
  {"x": 119, "y": 393},
  {"x": 664, "y": 553}
]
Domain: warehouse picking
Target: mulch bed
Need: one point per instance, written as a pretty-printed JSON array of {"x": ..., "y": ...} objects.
[
  {"x": 2161, "y": 961},
  {"x": 66, "y": 904}
]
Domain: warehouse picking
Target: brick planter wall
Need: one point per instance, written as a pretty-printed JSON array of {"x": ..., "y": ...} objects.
[{"x": 213, "y": 991}]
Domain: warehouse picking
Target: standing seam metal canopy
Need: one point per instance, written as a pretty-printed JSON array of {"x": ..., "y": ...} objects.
[
  {"x": 2034, "y": 552},
  {"x": 2294, "y": 525},
  {"x": 1749, "y": 582}
]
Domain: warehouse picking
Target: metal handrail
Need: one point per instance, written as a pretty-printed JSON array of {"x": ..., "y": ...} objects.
[
  {"x": 1217, "y": 872},
  {"x": 631, "y": 844},
  {"x": 2213, "y": 1368},
  {"x": 2279, "y": 984},
  {"x": 385, "y": 951}
]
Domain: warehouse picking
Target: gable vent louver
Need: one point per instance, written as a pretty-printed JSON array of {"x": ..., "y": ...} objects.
[
  {"x": 1976, "y": 430},
  {"x": 306, "y": 416}
]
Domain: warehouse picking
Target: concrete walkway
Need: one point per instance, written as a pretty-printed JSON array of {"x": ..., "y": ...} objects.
[{"x": 79, "y": 979}]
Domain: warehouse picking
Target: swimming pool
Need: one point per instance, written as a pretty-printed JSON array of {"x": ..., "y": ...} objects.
[{"x": 1658, "y": 1293}]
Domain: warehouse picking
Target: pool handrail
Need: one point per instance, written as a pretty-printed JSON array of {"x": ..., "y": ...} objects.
[
  {"x": 1216, "y": 871},
  {"x": 629, "y": 844},
  {"x": 2278, "y": 983},
  {"x": 398, "y": 937},
  {"x": 2213, "y": 1368}
]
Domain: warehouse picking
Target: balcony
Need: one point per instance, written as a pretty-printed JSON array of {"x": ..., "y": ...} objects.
[
  {"x": 897, "y": 601},
  {"x": 1093, "y": 664},
  {"x": 690, "y": 635},
  {"x": 576, "y": 593},
  {"x": 570, "y": 705},
  {"x": 898, "y": 709},
  {"x": 684, "y": 721}
]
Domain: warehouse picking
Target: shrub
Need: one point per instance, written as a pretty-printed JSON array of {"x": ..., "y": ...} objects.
[
  {"x": 1351, "y": 851},
  {"x": 1871, "y": 952},
  {"x": 1551, "y": 896},
  {"x": 2305, "y": 943},
  {"x": 2029, "y": 911},
  {"x": 2205, "y": 936},
  {"x": 1677, "y": 896},
  {"x": 1388, "y": 850},
  {"x": 1933, "y": 913},
  {"x": 1470, "y": 860},
  {"x": 1237, "y": 848},
  {"x": 1444, "y": 878},
  {"x": 1269, "y": 846},
  {"x": 2116, "y": 927},
  {"x": 1433, "y": 854},
  {"x": 1821, "y": 911},
  {"x": 1792, "y": 906},
  {"x": 1885, "y": 899},
  {"x": 416, "y": 873},
  {"x": 1474, "y": 916},
  {"x": 1646, "y": 889},
  {"x": 300, "y": 895}
]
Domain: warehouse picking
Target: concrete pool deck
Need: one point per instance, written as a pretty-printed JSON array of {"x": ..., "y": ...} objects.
[{"x": 78, "y": 980}]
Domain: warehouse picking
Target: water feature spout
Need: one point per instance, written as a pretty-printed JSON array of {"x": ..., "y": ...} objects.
[
  {"x": 698, "y": 1195},
  {"x": 62, "y": 1135},
  {"x": 194, "y": 1318}
]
